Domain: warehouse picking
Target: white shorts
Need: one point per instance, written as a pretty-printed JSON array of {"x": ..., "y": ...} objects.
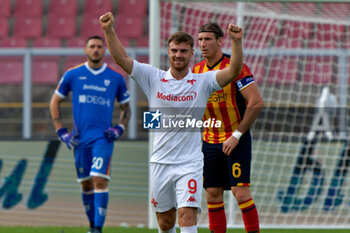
[{"x": 176, "y": 186}]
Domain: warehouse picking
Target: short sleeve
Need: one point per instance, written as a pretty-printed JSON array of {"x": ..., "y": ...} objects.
[
  {"x": 144, "y": 75},
  {"x": 64, "y": 86},
  {"x": 123, "y": 95}
]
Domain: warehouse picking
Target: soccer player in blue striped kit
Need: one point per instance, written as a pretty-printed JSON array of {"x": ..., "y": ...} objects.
[{"x": 94, "y": 87}]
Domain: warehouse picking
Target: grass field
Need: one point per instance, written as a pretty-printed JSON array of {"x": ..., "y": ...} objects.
[{"x": 144, "y": 230}]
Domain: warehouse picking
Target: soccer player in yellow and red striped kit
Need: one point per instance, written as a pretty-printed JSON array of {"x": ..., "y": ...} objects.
[{"x": 227, "y": 150}]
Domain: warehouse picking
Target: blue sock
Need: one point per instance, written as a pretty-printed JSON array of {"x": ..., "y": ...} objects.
[
  {"x": 101, "y": 202},
  {"x": 88, "y": 202}
]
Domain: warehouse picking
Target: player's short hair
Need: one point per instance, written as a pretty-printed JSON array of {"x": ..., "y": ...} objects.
[
  {"x": 94, "y": 37},
  {"x": 181, "y": 37},
  {"x": 212, "y": 27}
]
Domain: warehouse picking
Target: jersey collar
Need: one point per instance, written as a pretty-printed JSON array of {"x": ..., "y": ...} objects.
[
  {"x": 169, "y": 76},
  {"x": 213, "y": 66},
  {"x": 96, "y": 72}
]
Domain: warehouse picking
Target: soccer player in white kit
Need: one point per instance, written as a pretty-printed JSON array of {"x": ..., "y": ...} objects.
[{"x": 176, "y": 163}]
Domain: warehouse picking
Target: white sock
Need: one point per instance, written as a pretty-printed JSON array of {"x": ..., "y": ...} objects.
[
  {"x": 172, "y": 230},
  {"x": 191, "y": 229}
]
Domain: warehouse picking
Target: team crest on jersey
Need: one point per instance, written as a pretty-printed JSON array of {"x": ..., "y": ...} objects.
[
  {"x": 164, "y": 80},
  {"x": 191, "y": 81},
  {"x": 107, "y": 82}
]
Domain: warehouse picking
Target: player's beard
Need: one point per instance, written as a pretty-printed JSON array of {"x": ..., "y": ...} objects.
[
  {"x": 95, "y": 60},
  {"x": 179, "y": 67}
]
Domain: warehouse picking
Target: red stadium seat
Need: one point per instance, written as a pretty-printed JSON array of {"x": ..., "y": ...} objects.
[
  {"x": 63, "y": 7},
  {"x": 61, "y": 26},
  {"x": 330, "y": 32},
  {"x": 305, "y": 9},
  {"x": 14, "y": 42},
  {"x": 11, "y": 71},
  {"x": 126, "y": 22},
  {"x": 317, "y": 70},
  {"x": 338, "y": 11},
  {"x": 28, "y": 7},
  {"x": 97, "y": 8},
  {"x": 46, "y": 42},
  {"x": 257, "y": 67},
  {"x": 133, "y": 7},
  {"x": 5, "y": 9},
  {"x": 142, "y": 42},
  {"x": 283, "y": 71},
  {"x": 268, "y": 6},
  {"x": 4, "y": 27},
  {"x": 45, "y": 71},
  {"x": 260, "y": 33},
  {"x": 283, "y": 42},
  {"x": 28, "y": 26},
  {"x": 90, "y": 26},
  {"x": 76, "y": 42},
  {"x": 296, "y": 29}
]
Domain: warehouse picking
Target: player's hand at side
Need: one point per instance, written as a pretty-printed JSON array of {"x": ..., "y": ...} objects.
[
  {"x": 114, "y": 133},
  {"x": 235, "y": 32},
  {"x": 67, "y": 138},
  {"x": 107, "y": 20},
  {"x": 229, "y": 144}
]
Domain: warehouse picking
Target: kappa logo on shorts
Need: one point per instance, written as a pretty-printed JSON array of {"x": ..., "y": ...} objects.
[
  {"x": 154, "y": 202},
  {"x": 151, "y": 120},
  {"x": 191, "y": 199}
]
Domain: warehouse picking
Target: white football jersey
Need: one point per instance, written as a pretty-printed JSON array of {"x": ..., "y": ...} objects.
[{"x": 177, "y": 98}]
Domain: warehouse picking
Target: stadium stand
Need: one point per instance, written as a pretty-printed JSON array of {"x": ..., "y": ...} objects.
[
  {"x": 45, "y": 71},
  {"x": 4, "y": 27},
  {"x": 97, "y": 7},
  {"x": 28, "y": 7},
  {"x": 63, "y": 7},
  {"x": 90, "y": 26},
  {"x": 61, "y": 26},
  {"x": 338, "y": 11},
  {"x": 317, "y": 70},
  {"x": 123, "y": 24},
  {"x": 76, "y": 42},
  {"x": 11, "y": 70},
  {"x": 133, "y": 7},
  {"x": 5, "y": 9},
  {"x": 13, "y": 42},
  {"x": 28, "y": 26},
  {"x": 283, "y": 71}
]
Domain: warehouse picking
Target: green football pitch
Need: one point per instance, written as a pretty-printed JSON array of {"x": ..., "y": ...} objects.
[{"x": 144, "y": 230}]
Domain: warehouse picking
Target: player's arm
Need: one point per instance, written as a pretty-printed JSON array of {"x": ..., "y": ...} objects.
[
  {"x": 254, "y": 104},
  {"x": 62, "y": 133},
  {"x": 55, "y": 111},
  {"x": 114, "y": 45},
  {"x": 227, "y": 75},
  {"x": 124, "y": 114}
]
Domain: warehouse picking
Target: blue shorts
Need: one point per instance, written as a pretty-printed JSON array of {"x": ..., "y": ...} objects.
[
  {"x": 225, "y": 171},
  {"x": 93, "y": 161}
]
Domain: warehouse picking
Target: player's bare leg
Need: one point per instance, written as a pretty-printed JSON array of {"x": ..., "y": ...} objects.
[
  {"x": 166, "y": 221},
  {"x": 247, "y": 206},
  {"x": 187, "y": 219}
]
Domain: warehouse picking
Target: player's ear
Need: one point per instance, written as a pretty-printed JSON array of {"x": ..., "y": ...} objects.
[{"x": 220, "y": 39}]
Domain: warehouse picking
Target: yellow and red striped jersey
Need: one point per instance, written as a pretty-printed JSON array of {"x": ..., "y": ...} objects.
[{"x": 226, "y": 105}]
